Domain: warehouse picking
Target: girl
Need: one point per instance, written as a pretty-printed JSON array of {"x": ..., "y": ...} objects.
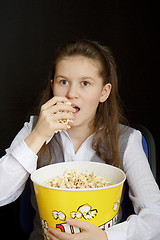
[{"x": 83, "y": 74}]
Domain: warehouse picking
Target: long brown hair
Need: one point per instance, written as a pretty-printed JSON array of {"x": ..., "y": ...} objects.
[{"x": 108, "y": 116}]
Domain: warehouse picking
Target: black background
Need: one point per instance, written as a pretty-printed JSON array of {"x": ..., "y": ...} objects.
[{"x": 30, "y": 32}]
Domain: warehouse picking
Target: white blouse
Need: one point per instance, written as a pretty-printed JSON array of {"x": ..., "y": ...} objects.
[{"x": 19, "y": 162}]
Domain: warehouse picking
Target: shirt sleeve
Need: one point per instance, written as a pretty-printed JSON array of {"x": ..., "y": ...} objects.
[
  {"x": 16, "y": 165},
  {"x": 144, "y": 193}
]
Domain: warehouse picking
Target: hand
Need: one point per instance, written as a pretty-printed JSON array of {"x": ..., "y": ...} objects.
[
  {"x": 48, "y": 123},
  {"x": 50, "y": 113},
  {"x": 90, "y": 232}
]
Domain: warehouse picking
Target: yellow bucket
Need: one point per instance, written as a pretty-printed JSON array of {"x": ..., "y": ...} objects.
[{"x": 98, "y": 206}]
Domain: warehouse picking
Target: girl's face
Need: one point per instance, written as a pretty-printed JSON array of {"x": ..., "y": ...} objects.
[{"x": 77, "y": 78}]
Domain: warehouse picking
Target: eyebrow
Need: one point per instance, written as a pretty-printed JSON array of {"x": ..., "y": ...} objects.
[
  {"x": 85, "y": 77},
  {"x": 88, "y": 78},
  {"x": 60, "y": 76}
]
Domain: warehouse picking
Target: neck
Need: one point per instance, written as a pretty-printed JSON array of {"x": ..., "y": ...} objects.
[{"x": 78, "y": 135}]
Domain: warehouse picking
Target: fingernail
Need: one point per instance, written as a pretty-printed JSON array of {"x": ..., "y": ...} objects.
[
  {"x": 68, "y": 219},
  {"x": 68, "y": 103}
]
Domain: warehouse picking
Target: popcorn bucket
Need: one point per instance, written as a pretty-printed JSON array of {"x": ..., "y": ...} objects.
[{"x": 98, "y": 206}]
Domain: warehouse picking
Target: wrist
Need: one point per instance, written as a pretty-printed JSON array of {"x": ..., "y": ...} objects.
[{"x": 34, "y": 141}]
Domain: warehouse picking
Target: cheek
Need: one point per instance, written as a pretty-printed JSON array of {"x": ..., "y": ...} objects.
[
  {"x": 59, "y": 91},
  {"x": 92, "y": 102},
  {"x": 94, "y": 96}
]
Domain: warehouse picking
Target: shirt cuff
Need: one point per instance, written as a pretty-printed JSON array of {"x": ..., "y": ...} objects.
[
  {"x": 25, "y": 157},
  {"x": 117, "y": 232}
]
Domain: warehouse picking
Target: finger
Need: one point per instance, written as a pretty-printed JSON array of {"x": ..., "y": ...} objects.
[
  {"x": 79, "y": 224},
  {"x": 63, "y": 108},
  {"x": 53, "y": 101},
  {"x": 60, "y": 127},
  {"x": 59, "y": 116},
  {"x": 58, "y": 113},
  {"x": 51, "y": 236},
  {"x": 56, "y": 234},
  {"x": 90, "y": 231}
]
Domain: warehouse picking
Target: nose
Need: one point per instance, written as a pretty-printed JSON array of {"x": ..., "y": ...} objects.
[{"x": 72, "y": 92}]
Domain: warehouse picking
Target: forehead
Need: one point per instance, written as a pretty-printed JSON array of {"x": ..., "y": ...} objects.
[{"x": 78, "y": 65}]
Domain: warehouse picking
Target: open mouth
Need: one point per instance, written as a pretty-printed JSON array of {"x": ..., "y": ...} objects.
[{"x": 76, "y": 108}]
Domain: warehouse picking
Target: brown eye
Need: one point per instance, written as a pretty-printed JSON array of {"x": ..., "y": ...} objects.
[
  {"x": 64, "y": 82},
  {"x": 85, "y": 83}
]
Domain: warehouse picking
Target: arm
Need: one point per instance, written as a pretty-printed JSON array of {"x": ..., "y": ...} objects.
[
  {"x": 21, "y": 158},
  {"x": 144, "y": 193},
  {"x": 15, "y": 167}
]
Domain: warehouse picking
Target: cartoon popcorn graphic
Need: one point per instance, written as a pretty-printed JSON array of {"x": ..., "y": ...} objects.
[
  {"x": 116, "y": 205},
  {"x": 45, "y": 228},
  {"x": 84, "y": 211},
  {"x": 59, "y": 215}
]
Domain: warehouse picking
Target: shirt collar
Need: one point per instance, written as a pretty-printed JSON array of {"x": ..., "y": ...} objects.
[{"x": 64, "y": 132}]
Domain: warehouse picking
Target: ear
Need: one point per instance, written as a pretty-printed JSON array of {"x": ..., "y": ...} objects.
[
  {"x": 105, "y": 92},
  {"x": 52, "y": 83}
]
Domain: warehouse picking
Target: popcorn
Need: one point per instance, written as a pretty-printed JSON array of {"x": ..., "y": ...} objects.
[
  {"x": 72, "y": 179},
  {"x": 64, "y": 121}
]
